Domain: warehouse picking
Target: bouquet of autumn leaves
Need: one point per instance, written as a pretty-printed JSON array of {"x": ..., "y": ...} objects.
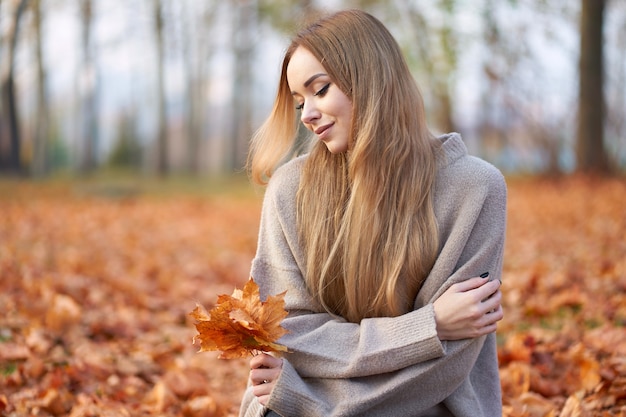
[{"x": 241, "y": 324}]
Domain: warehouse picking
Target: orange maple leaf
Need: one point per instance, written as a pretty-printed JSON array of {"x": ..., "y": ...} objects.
[{"x": 241, "y": 324}]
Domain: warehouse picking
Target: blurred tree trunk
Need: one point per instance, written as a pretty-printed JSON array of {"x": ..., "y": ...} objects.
[
  {"x": 444, "y": 83},
  {"x": 616, "y": 95},
  {"x": 88, "y": 122},
  {"x": 193, "y": 66},
  {"x": 590, "y": 152},
  {"x": 197, "y": 54},
  {"x": 9, "y": 120},
  {"x": 439, "y": 63},
  {"x": 244, "y": 31},
  {"x": 40, "y": 150},
  {"x": 162, "y": 144}
]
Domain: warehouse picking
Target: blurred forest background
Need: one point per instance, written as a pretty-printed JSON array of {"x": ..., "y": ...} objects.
[{"x": 162, "y": 87}]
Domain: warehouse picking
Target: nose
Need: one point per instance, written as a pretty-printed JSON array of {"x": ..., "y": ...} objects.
[{"x": 310, "y": 113}]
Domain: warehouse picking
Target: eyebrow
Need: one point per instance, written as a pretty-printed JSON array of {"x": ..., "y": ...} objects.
[{"x": 310, "y": 80}]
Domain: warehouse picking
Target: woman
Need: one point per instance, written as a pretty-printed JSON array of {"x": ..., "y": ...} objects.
[{"x": 378, "y": 235}]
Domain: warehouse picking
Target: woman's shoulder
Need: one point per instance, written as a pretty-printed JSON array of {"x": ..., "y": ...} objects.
[
  {"x": 478, "y": 171},
  {"x": 286, "y": 179}
]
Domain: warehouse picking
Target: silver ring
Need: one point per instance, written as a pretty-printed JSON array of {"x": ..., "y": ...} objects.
[{"x": 265, "y": 381}]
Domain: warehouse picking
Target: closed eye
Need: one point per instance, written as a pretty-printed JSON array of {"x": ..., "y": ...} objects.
[{"x": 322, "y": 91}]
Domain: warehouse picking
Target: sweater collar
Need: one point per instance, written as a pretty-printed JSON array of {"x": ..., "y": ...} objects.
[{"x": 452, "y": 148}]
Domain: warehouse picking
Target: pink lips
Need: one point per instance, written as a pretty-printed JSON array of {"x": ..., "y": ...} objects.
[{"x": 320, "y": 130}]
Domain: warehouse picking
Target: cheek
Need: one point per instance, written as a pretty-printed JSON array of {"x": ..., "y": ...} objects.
[
  {"x": 348, "y": 115},
  {"x": 344, "y": 108},
  {"x": 340, "y": 104},
  {"x": 348, "y": 108}
]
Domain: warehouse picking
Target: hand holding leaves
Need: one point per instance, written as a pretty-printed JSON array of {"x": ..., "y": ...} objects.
[{"x": 241, "y": 324}]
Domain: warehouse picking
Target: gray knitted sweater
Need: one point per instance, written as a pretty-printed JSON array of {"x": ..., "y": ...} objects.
[{"x": 397, "y": 366}]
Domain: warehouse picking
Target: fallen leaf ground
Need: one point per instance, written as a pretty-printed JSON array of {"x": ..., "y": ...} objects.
[{"x": 97, "y": 280}]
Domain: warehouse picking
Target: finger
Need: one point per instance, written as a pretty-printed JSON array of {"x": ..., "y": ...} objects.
[
  {"x": 491, "y": 328},
  {"x": 263, "y": 360},
  {"x": 272, "y": 362},
  {"x": 264, "y": 399},
  {"x": 491, "y": 318},
  {"x": 262, "y": 376},
  {"x": 488, "y": 290},
  {"x": 469, "y": 284},
  {"x": 262, "y": 389},
  {"x": 478, "y": 288},
  {"x": 492, "y": 302},
  {"x": 257, "y": 361},
  {"x": 496, "y": 315}
]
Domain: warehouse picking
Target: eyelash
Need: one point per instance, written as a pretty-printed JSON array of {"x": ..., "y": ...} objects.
[{"x": 320, "y": 93}]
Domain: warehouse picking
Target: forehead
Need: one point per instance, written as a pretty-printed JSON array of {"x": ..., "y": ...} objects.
[{"x": 301, "y": 67}]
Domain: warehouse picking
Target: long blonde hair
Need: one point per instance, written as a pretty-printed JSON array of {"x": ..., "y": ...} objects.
[{"x": 365, "y": 218}]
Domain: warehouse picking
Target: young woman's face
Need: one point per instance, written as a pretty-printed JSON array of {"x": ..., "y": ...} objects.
[{"x": 325, "y": 109}]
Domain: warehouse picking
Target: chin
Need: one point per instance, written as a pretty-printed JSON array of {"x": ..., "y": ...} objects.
[{"x": 336, "y": 148}]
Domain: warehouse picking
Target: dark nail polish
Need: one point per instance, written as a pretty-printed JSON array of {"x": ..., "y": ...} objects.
[{"x": 484, "y": 275}]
